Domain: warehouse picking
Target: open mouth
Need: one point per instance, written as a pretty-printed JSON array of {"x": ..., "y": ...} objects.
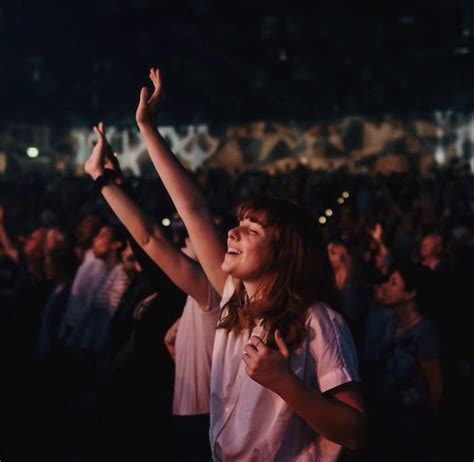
[{"x": 233, "y": 251}]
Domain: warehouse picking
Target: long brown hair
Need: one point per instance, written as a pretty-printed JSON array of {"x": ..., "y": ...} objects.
[{"x": 298, "y": 274}]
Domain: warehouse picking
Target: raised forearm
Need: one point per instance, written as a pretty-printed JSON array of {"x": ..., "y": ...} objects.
[
  {"x": 329, "y": 417},
  {"x": 129, "y": 213},
  {"x": 185, "y": 194}
]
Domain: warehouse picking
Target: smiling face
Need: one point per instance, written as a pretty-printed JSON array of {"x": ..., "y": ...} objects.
[{"x": 248, "y": 251}]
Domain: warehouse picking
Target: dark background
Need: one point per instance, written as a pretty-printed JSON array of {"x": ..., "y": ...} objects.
[{"x": 77, "y": 62}]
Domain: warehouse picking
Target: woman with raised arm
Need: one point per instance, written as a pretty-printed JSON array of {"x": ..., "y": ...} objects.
[
  {"x": 194, "y": 342},
  {"x": 284, "y": 380}
]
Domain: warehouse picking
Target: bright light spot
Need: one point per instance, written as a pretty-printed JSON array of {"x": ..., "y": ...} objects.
[
  {"x": 328, "y": 213},
  {"x": 345, "y": 194},
  {"x": 32, "y": 152},
  {"x": 322, "y": 220},
  {"x": 304, "y": 160},
  {"x": 166, "y": 222},
  {"x": 340, "y": 200}
]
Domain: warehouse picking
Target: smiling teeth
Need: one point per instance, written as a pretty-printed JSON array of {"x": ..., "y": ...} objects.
[{"x": 233, "y": 251}]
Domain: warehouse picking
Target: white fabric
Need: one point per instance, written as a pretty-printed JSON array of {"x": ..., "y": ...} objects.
[
  {"x": 193, "y": 347},
  {"x": 93, "y": 332},
  {"x": 86, "y": 281},
  {"x": 251, "y": 423}
]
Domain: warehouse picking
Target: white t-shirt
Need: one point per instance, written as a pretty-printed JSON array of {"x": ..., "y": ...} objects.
[
  {"x": 193, "y": 348},
  {"x": 250, "y": 422},
  {"x": 86, "y": 281}
]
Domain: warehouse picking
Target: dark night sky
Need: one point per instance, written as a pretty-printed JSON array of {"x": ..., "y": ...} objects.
[{"x": 75, "y": 62}]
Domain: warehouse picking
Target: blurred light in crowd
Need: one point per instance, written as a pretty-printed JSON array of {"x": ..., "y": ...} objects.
[
  {"x": 322, "y": 220},
  {"x": 304, "y": 160},
  {"x": 328, "y": 213},
  {"x": 3, "y": 162},
  {"x": 345, "y": 194},
  {"x": 166, "y": 222},
  {"x": 32, "y": 152},
  {"x": 283, "y": 56},
  {"x": 439, "y": 154},
  {"x": 340, "y": 200},
  {"x": 461, "y": 51},
  {"x": 407, "y": 20},
  {"x": 466, "y": 32}
]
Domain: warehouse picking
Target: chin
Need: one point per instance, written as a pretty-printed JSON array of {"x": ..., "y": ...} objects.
[{"x": 226, "y": 268}]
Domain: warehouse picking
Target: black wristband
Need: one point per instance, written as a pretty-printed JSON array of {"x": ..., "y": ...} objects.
[{"x": 106, "y": 178}]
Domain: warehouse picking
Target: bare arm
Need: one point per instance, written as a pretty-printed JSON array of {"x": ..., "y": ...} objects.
[
  {"x": 187, "y": 198},
  {"x": 183, "y": 271},
  {"x": 170, "y": 339},
  {"x": 431, "y": 370},
  {"x": 338, "y": 414},
  {"x": 5, "y": 240}
]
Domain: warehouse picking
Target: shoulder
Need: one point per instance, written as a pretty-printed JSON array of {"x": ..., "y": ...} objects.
[
  {"x": 323, "y": 318},
  {"x": 425, "y": 328}
]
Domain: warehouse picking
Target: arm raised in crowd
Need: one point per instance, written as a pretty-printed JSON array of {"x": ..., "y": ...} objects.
[
  {"x": 5, "y": 240},
  {"x": 183, "y": 271},
  {"x": 186, "y": 196}
]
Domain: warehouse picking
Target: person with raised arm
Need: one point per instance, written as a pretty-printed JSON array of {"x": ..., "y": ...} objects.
[
  {"x": 284, "y": 378},
  {"x": 194, "y": 340}
]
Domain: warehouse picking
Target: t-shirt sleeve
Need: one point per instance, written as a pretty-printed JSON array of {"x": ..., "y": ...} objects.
[
  {"x": 333, "y": 348},
  {"x": 427, "y": 343}
]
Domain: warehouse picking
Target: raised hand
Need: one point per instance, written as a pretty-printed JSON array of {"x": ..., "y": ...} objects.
[
  {"x": 147, "y": 109},
  {"x": 102, "y": 156},
  {"x": 264, "y": 364}
]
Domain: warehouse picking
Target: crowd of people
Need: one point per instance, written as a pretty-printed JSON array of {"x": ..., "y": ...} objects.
[{"x": 157, "y": 318}]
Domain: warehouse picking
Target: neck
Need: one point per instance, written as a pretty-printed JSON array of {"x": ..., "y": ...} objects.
[
  {"x": 251, "y": 288},
  {"x": 110, "y": 260},
  {"x": 431, "y": 262},
  {"x": 341, "y": 277},
  {"x": 406, "y": 313}
]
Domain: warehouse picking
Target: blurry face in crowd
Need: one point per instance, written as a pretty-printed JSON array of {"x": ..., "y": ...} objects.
[
  {"x": 54, "y": 238},
  {"x": 103, "y": 244},
  {"x": 87, "y": 229},
  {"x": 248, "y": 251},
  {"x": 394, "y": 292},
  {"x": 129, "y": 261},
  {"x": 336, "y": 254},
  {"x": 430, "y": 246},
  {"x": 34, "y": 243}
]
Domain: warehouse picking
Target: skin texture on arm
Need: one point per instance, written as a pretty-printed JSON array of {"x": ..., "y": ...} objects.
[
  {"x": 338, "y": 414},
  {"x": 431, "y": 370},
  {"x": 183, "y": 271},
  {"x": 186, "y": 196}
]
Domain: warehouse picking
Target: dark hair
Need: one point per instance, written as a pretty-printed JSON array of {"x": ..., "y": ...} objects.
[
  {"x": 118, "y": 234},
  {"x": 416, "y": 277},
  {"x": 299, "y": 272}
]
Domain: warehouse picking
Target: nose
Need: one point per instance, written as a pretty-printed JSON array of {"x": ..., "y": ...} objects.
[{"x": 234, "y": 233}]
